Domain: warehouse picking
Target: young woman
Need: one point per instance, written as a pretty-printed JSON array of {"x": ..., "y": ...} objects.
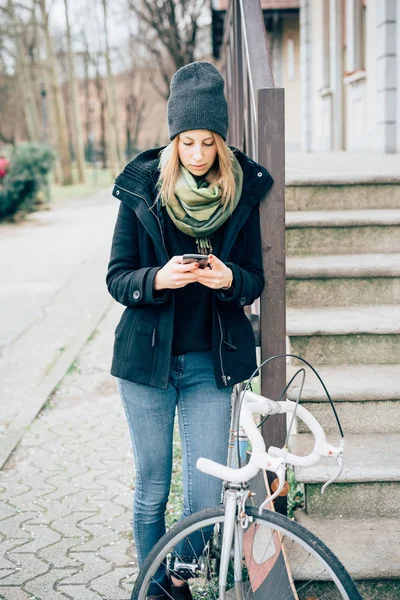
[{"x": 183, "y": 341}]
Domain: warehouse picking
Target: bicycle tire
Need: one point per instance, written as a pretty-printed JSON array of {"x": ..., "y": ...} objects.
[{"x": 343, "y": 585}]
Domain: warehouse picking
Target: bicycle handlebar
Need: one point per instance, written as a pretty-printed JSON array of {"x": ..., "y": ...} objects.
[{"x": 276, "y": 458}]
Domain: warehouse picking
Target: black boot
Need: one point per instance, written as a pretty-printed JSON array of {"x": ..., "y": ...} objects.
[{"x": 180, "y": 592}]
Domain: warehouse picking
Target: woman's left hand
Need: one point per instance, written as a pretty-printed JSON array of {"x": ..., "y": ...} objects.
[{"x": 220, "y": 276}]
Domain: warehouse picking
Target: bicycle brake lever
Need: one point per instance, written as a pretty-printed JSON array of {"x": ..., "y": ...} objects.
[
  {"x": 281, "y": 474},
  {"x": 340, "y": 461}
]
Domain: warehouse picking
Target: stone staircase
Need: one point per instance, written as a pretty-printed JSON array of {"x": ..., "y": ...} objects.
[{"x": 343, "y": 297}]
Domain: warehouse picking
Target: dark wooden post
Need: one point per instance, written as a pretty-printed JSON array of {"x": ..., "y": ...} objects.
[{"x": 271, "y": 154}]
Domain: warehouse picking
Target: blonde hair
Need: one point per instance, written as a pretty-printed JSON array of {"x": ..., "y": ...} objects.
[{"x": 221, "y": 173}]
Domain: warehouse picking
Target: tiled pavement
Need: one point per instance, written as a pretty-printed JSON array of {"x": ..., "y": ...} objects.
[{"x": 66, "y": 492}]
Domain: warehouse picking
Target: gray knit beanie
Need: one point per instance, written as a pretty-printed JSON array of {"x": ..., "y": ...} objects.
[{"x": 197, "y": 100}]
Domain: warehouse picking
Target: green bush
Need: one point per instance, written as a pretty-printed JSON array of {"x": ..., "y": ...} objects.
[{"x": 30, "y": 165}]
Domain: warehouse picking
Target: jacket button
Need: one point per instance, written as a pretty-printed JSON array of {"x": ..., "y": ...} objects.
[
  {"x": 117, "y": 192},
  {"x": 136, "y": 295},
  {"x": 228, "y": 378},
  {"x": 242, "y": 301},
  {"x": 259, "y": 174}
]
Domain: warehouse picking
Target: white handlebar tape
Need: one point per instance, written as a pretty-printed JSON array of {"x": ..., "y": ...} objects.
[
  {"x": 205, "y": 465},
  {"x": 273, "y": 460}
]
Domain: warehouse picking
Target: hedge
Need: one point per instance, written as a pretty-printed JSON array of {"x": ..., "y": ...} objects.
[{"x": 30, "y": 165}]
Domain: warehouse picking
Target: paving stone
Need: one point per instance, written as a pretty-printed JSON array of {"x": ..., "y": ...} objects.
[
  {"x": 14, "y": 593},
  {"x": 44, "y": 587},
  {"x": 70, "y": 525},
  {"x": 58, "y": 555},
  {"x": 108, "y": 511},
  {"x": 121, "y": 524},
  {"x": 80, "y": 592},
  {"x": 56, "y": 510},
  {"x": 65, "y": 489},
  {"x": 6, "y": 511},
  {"x": 12, "y": 487},
  {"x": 92, "y": 566},
  {"x": 13, "y": 526},
  {"x": 122, "y": 499},
  {"x": 100, "y": 536},
  {"x": 110, "y": 584},
  {"x": 87, "y": 481},
  {"x": 42, "y": 536},
  {"x": 28, "y": 500},
  {"x": 120, "y": 553},
  {"x": 28, "y": 566},
  {"x": 7, "y": 546},
  {"x": 84, "y": 500}
]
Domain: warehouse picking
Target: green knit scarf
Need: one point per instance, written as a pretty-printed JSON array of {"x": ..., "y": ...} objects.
[{"x": 196, "y": 208}]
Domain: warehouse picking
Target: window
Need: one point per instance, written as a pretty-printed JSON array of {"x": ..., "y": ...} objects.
[
  {"x": 326, "y": 44},
  {"x": 356, "y": 12}
]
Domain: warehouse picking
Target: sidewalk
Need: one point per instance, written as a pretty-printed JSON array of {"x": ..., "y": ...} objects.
[
  {"x": 65, "y": 516},
  {"x": 52, "y": 295}
]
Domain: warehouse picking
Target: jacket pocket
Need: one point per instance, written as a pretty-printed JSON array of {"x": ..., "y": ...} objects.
[{"x": 145, "y": 328}]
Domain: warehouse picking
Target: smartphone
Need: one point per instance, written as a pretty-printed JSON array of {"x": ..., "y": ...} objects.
[{"x": 200, "y": 258}]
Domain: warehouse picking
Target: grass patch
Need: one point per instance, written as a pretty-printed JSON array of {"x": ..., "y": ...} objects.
[
  {"x": 96, "y": 179},
  {"x": 174, "y": 506},
  {"x": 73, "y": 368},
  {"x": 295, "y": 495}
]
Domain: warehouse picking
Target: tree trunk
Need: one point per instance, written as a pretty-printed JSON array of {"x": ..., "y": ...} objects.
[
  {"x": 76, "y": 115},
  {"x": 112, "y": 149},
  {"x": 25, "y": 80},
  {"x": 59, "y": 109}
]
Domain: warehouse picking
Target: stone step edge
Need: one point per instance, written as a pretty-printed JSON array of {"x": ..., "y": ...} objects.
[
  {"x": 348, "y": 538},
  {"x": 343, "y": 266},
  {"x": 332, "y": 219},
  {"x": 333, "y": 181},
  {"x": 380, "y": 384},
  {"x": 369, "y": 458},
  {"x": 343, "y": 321}
]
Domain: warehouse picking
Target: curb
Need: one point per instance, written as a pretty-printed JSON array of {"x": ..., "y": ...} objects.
[{"x": 54, "y": 373}]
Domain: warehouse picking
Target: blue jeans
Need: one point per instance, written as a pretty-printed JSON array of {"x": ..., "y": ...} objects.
[{"x": 204, "y": 416}]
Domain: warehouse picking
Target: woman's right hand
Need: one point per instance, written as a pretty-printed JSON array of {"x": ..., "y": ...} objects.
[{"x": 175, "y": 274}]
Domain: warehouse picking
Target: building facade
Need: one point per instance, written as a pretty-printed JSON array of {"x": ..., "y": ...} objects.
[
  {"x": 350, "y": 71},
  {"x": 339, "y": 62}
]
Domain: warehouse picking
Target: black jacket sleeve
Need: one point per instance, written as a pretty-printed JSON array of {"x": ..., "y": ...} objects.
[
  {"x": 128, "y": 282},
  {"x": 249, "y": 275}
]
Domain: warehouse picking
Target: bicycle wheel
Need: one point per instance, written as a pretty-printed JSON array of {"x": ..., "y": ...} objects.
[{"x": 313, "y": 570}]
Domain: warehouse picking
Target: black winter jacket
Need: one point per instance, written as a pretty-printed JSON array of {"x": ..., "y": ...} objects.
[{"x": 143, "y": 337}]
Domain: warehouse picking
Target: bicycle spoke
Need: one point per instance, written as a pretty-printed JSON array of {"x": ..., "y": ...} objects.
[{"x": 315, "y": 571}]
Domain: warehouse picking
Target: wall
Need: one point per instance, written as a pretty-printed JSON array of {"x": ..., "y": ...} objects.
[{"x": 290, "y": 77}]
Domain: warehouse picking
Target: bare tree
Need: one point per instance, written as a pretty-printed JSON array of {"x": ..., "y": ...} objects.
[
  {"x": 138, "y": 78},
  {"x": 24, "y": 74},
  {"x": 112, "y": 136},
  {"x": 76, "y": 115},
  {"x": 169, "y": 30},
  {"x": 59, "y": 108}
]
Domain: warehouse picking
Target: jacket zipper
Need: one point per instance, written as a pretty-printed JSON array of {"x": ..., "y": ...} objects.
[
  {"x": 223, "y": 377},
  {"x": 153, "y": 339},
  {"x": 150, "y": 209}
]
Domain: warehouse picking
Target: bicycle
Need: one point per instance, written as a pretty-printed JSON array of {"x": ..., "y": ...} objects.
[{"x": 243, "y": 552}]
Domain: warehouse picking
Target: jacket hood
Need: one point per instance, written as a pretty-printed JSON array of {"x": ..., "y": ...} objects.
[{"x": 143, "y": 171}]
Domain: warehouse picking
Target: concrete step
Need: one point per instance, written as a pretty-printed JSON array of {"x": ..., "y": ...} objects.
[
  {"x": 343, "y": 280},
  {"x": 344, "y": 335},
  {"x": 336, "y": 194},
  {"x": 342, "y": 232},
  {"x": 369, "y": 484},
  {"x": 366, "y": 398},
  {"x": 369, "y": 548}
]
